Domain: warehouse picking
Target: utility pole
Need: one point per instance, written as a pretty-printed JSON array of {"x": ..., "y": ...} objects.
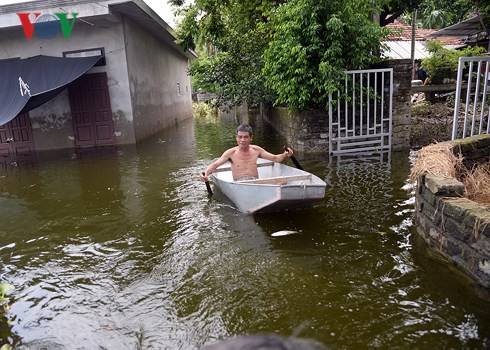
[{"x": 414, "y": 25}]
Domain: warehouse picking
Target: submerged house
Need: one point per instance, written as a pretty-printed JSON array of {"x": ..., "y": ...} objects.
[{"x": 83, "y": 73}]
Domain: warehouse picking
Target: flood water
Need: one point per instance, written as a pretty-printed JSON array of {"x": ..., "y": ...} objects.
[{"x": 122, "y": 249}]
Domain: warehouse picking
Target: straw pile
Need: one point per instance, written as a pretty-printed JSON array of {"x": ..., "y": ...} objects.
[
  {"x": 436, "y": 159},
  {"x": 477, "y": 184}
]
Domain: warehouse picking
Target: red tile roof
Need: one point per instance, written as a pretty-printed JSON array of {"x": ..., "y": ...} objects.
[{"x": 401, "y": 31}]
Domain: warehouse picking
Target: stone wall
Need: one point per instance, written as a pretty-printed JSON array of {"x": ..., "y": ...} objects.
[
  {"x": 308, "y": 130},
  {"x": 305, "y": 131},
  {"x": 402, "y": 106},
  {"x": 451, "y": 224}
]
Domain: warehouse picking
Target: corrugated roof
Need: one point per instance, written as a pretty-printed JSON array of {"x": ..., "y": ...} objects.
[
  {"x": 469, "y": 27},
  {"x": 403, "y": 31},
  {"x": 402, "y": 49},
  {"x": 399, "y": 41}
]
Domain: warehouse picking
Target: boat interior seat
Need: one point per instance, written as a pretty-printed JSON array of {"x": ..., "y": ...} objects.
[{"x": 279, "y": 180}]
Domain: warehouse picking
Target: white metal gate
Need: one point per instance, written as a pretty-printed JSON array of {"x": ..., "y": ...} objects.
[
  {"x": 360, "y": 116},
  {"x": 471, "y": 92}
]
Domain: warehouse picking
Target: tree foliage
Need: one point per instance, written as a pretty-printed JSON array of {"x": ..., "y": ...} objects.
[
  {"x": 393, "y": 9},
  {"x": 313, "y": 43},
  {"x": 230, "y": 39},
  {"x": 443, "y": 63},
  {"x": 437, "y": 14},
  {"x": 290, "y": 52}
]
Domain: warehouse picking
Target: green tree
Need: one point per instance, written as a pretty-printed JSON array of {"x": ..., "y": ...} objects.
[
  {"x": 314, "y": 42},
  {"x": 437, "y": 19},
  {"x": 393, "y": 9},
  {"x": 230, "y": 39},
  {"x": 291, "y": 52},
  {"x": 437, "y": 14},
  {"x": 443, "y": 63}
]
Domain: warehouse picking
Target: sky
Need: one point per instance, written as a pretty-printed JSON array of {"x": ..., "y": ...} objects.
[{"x": 161, "y": 7}]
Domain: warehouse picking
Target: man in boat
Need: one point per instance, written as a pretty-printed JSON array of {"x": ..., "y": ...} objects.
[{"x": 243, "y": 157}]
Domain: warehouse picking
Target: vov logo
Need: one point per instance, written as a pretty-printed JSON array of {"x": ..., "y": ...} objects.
[{"x": 46, "y": 26}]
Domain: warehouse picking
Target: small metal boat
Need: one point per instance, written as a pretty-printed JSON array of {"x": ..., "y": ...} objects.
[{"x": 279, "y": 187}]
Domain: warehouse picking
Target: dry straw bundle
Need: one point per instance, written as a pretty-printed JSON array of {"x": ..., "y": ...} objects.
[
  {"x": 477, "y": 184},
  {"x": 437, "y": 159}
]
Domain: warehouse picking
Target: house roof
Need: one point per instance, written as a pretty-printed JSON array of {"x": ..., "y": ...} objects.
[
  {"x": 464, "y": 29},
  {"x": 403, "y": 31},
  {"x": 400, "y": 30},
  {"x": 142, "y": 14},
  {"x": 399, "y": 41},
  {"x": 402, "y": 49}
]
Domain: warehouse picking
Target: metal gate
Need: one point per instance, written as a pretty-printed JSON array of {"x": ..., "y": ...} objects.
[
  {"x": 360, "y": 115},
  {"x": 471, "y": 92}
]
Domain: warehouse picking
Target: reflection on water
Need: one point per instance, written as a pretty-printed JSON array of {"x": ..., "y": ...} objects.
[{"x": 122, "y": 249}]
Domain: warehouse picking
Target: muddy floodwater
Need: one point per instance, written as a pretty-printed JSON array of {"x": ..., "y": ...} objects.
[{"x": 122, "y": 249}]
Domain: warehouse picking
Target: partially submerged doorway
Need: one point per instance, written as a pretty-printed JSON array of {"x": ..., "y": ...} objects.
[
  {"x": 91, "y": 111},
  {"x": 16, "y": 137}
]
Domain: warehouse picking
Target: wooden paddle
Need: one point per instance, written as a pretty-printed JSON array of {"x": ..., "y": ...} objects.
[
  {"x": 295, "y": 161},
  {"x": 208, "y": 186}
]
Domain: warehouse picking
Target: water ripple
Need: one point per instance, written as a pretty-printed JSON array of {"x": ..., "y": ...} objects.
[{"x": 128, "y": 252}]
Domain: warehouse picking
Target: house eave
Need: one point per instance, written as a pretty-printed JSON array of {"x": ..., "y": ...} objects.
[{"x": 141, "y": 13}]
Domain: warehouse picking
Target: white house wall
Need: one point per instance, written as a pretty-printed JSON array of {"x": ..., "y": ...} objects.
[{"x": 156, "y": 72}]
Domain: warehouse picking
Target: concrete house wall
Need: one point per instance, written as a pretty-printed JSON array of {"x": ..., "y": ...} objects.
[
  {"x": 142, "y": 70},
  {"x": 51, "y": 123},
  {"x": 158, "y": 82}
]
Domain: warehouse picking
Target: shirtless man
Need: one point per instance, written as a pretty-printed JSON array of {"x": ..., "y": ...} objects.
[{"x": 244, "y": 157}]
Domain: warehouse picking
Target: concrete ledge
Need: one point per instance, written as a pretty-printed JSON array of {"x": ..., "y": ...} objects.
[{"x": 443, "y": 186}]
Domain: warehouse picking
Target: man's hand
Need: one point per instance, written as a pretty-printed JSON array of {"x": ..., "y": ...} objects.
[{"x": 203, "y": 177}]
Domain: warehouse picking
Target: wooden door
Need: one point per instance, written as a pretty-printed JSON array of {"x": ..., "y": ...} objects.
[
  {"x": 91, "y": 111},
  {"x": 16, "y": 137}
]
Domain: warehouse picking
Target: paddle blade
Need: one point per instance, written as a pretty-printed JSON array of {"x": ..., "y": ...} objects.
[
  {"x": 208, "y": 186},
  {"x": 295, "y": 161}
]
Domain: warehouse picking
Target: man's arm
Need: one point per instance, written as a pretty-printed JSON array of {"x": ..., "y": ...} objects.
[
  {"x": 278, "y": 158},
  {"x": 220, "y": 161}
]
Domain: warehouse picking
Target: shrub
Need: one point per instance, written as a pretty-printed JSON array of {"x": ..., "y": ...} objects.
[
  {"x": 5, "y": 323},
  {"x": 443, "y": 63},
  {"x": 203, "y": 109},
  {"x": 5, "y": 288}
]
